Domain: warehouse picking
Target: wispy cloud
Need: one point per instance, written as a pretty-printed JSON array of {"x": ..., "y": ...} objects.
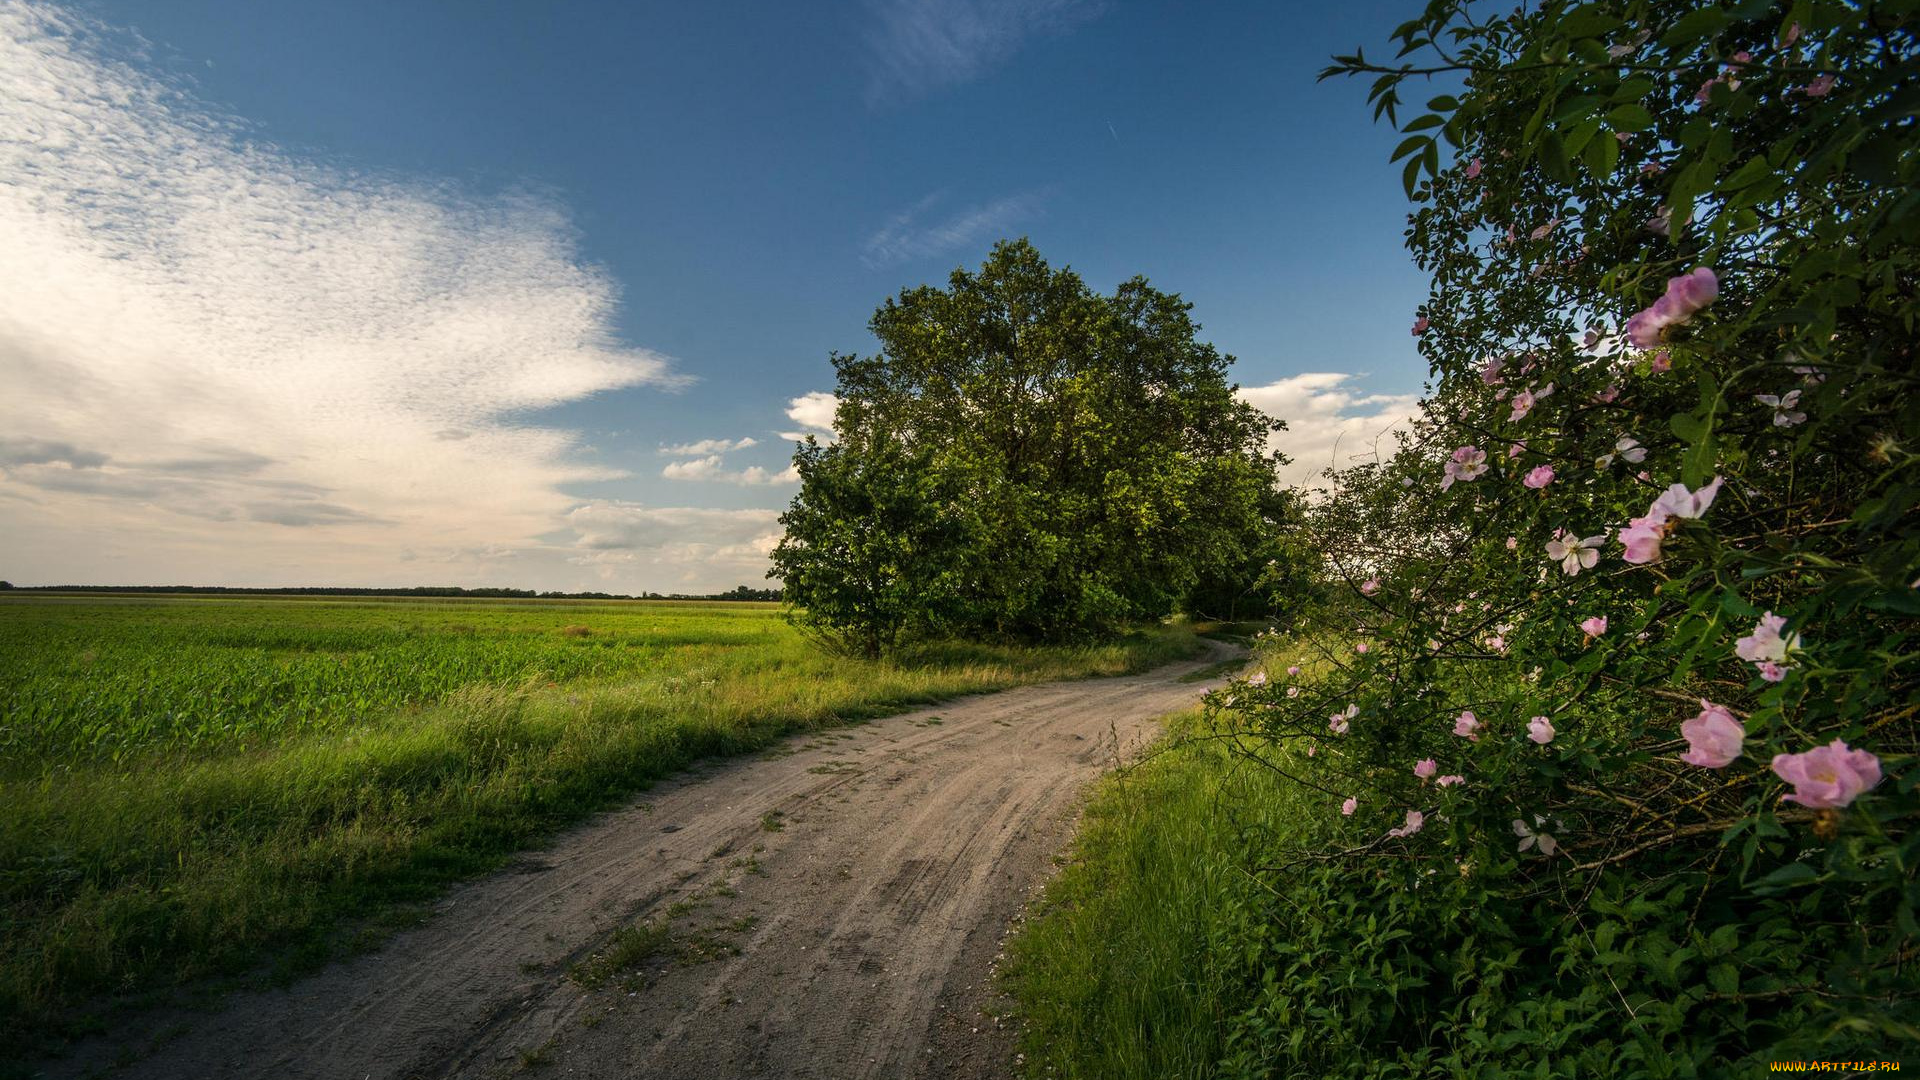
[
  {"x": 1330, "y": 424},
  {"x": 702, "y": 549},
  {"x": 709, "y": 446},
  {"x": 922, "y": 45},
  {"x": 921, "y": 232},
  {"x": 207, "y": 328},
  {"x": 713, "y": 469}
]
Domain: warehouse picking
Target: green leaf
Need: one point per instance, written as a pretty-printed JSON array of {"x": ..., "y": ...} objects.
[{"x": 1630, "y": 117}]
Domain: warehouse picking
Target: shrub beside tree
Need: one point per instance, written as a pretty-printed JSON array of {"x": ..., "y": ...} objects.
[
  {"x": 1614, "y": 709},
  {"x": 1026, "y": 458}
]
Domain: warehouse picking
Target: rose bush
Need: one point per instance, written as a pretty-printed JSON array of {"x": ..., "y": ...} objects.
[{"x": 1660, "y": 638}]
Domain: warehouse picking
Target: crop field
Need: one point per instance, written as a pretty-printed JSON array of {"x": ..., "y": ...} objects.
[
  {"x": 89, "y": 676},
  {"x": 202, "y": 788}
]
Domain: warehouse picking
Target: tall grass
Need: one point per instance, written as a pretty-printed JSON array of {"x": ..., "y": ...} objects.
[
  {"x": 172, "y": 865},
  {"x": 1134, "y": 961}
]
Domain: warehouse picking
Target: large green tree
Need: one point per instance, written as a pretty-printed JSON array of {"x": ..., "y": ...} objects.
[{"x": 1026, "y": 458}]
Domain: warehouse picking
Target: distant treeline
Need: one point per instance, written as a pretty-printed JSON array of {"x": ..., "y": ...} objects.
[{"x": 738, "y": 592}]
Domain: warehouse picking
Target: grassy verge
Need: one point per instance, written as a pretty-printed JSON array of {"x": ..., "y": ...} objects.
[
  {"x": 1133, "y": 962},
  {"x": 129, "y": 877}
]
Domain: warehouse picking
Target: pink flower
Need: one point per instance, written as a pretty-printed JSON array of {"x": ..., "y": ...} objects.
[
  {"x": 1347, "y": 808},
  {"x": 1259, "y": 678},
  {"x": 1767, "y": 642},
  {"x": 1791, "y": 35},
  {"x": 1513, "y": 543},
  {"x": 1661, "y": 223},
  {"x": 1541, "y": 232},
  {"x": 1608, "y": 396},
  {"x": 1338, "y": 723},
  {"x": 1524, "y": 401},
  {"x": 1678, "y": 502},
  {"x": 1540, "y": 730},
  {"x": 1829, "y": 776},
  {"x": 1686, "y": 295},
  {"x": 1425, "y": 768},
  {"x": 1530, "y": 838},
  {"x": 1467, "y": 463},
  {"x": 1714, "y": 737},
  {"x": 1821, "y": 86},
  {"x": 1490, "y": 371},
  {"x": 1361, "y": 647},
  {"x": 1415, "y": 822},
  {"x": 1642, "y": 538},
  {"x": 1662, "y": 362},
  {"x": 1771, "y": 671},
  {"x": 1573, "y": 553},
  {"x": 1595, "y": 626},
  {"x": 1652, "y": 168},
  {"x": 1538, "y": 477},
  {"x": 1450, "y": 779},
  {"x": 1468, "y": 726},
  {"x": 1293, "y": 669},
  {"x": 1783, "y": 408},
  {"x": 1420, "y": 326},
  {"x": 1370, "y": 586},
  {"x": 1473, "y": 169},
  {"x": 1293, "y": 691},
  {"x": 1516, "y": 450},
  {"x": 1627, "y": 449}
]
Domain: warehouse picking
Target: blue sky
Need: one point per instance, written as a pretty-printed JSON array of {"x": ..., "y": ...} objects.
[{"x": 426, "y": 288}]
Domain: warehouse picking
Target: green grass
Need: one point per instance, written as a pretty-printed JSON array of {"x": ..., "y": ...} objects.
[
  {"x": 1132, "y": 963},
  {"x": 405, "y": 745}
]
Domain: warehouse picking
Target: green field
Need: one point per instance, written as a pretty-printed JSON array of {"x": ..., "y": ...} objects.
[{"x": 197, "y": 786}]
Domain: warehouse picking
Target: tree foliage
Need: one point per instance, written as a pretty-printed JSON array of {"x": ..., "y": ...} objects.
[
  {"x": 1620, "y": 673},
  {"x": 1026, "y": 458}
]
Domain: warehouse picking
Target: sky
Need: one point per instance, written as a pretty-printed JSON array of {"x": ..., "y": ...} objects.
[{"x": 495, "y": 292}]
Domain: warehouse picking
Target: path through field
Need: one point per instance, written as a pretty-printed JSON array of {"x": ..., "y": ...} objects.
[{"x": 830, "y": 909}]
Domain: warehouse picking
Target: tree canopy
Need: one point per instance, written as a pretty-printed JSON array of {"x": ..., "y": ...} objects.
[{"x": 1025, "y": 457}]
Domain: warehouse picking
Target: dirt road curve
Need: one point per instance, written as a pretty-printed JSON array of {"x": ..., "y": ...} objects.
[{"x": 831, "y": 908}]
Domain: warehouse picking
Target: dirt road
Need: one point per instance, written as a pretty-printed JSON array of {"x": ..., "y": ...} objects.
[{"x": 829, "y": 909}]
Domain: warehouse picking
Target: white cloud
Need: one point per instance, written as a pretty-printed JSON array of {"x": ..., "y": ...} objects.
[
  {"x": 1328, "y": 423},
  {"x": 226, "y": 363},
  {"x": 922, "y": 45},
  {"x": 708, "y": 446},
  {"x": 703, "y": 550},
  {"x": 814, "y": 412},
  {"x": 712, "y": 469},
  {"x": 909, "y": 236}
]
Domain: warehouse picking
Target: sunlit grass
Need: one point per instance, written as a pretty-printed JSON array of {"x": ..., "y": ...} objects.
[{"x": 177, "y": 863}]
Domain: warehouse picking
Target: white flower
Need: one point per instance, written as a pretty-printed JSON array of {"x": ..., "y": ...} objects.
[
  {"x": 1573, "y": 553},
  {"x": 1784, "y": 414},
  {"x": 1529, "y": 838}
]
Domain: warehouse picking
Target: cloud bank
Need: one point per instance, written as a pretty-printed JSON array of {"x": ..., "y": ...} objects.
[
  {"x": 226, "y": 363},
  {"x": 1330, "y": 424}
]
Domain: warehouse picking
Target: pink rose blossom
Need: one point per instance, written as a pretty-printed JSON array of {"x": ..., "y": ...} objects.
[
  {"x": 1361, "y": 647},
  {"x": 1513, "y": 543},
  {"x": 1767, "y": 642},
  {"x": 1370, "y": 586},
  {"x": 1293, "y": 669},
  {"x": 1608, "y": 396},
  {"x": 1540, "y": 730},
  {"x": 1771, "y": 671},
  {"x": 1643, "y": 535},
  {"x": 1661, "y": 223},
  {"x": 1541, "y": 232},
  {"x": 1338, "y": 723},
  {"x": 1573, "y": 553},
  {"x": 1467, "y": 463},
  {"x": 1538, "y": 477},
  {"x": 1473, "y": 169},
  {"x": 1420, "y": 326},
  {"x": 1627, "y": 449},
  {"x": 1827, "y": 777},
  {"x": 1259, "y": 678},
  {"x": 1714, "y": 737},
  {"x": 1490, "y": 371},
  {"x": 1791, "y": 35},
  {"x": 1686, "y": 295},
  {"x": 1468, "y": 726},
  {"x": 1524, "y": 401},
  {"x": 1662, "y": 362},
  {"x": 1678, "y": 502},
  {"x": 1347, "y": 808},
  {"x": 1415, "y": 822},
  {"x": 1516, "y": 450},
  {"x": 1783, "y": 405},
  {"x": 1450, "y": 779},
  {"x": 1293, "y": 691},
  {"x": 1652, "y": 168},
  {"x": 1595, "y": 626},
  {"x": 1425, "y": 768},
  {"x": 1529, "y": 838},
  {"x": 1821, "y": 86}
]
